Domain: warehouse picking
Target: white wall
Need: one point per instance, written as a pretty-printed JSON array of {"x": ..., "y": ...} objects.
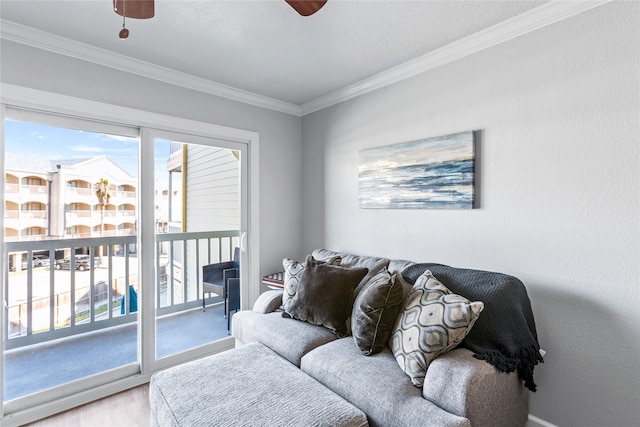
[
  {"x": 559, "y": 183},
  {"x": 280, "y": 146}
]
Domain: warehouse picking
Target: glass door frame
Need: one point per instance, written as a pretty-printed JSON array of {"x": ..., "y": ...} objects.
[
  {"x": 24, "y": 410},
  {"x": 147, "y": 202}
]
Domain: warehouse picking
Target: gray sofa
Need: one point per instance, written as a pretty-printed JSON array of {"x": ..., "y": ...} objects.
[{"x": 459, "y": 389}]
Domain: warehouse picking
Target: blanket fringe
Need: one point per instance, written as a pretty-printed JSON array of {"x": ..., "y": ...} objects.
[{"x": 523, "y": 361}]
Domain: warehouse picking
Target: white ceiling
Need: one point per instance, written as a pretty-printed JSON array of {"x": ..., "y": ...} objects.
[{"x": 265, "y": 47}]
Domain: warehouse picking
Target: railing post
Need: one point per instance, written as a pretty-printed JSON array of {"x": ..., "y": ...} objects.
[
  {"x": 29, "y": 292},
  {"x": 126, "y": 299},
  {"x": 57, "y": 302},
  {"x": 198, "y": 290},
  {"x": 185, "y": 271},
  {"x": 72, "y": 293},
  {"x": 110, "y": 281},
  {"x": 170, "y": 275},
  {"x": 92, "y": 285},
  {"x": 158, "y": 275},
  {"x": 52, "y": 288}
]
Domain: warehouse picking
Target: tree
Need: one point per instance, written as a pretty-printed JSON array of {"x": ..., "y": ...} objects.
[{"x": 103, "y": 193}]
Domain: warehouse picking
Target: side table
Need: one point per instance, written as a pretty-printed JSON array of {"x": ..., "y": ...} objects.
[{"x": 274, "y": 281}]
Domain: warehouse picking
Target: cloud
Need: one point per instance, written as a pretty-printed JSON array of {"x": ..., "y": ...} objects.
[
  {"x": 119, "y": 138},
  {"x": 96, "y": 149},
  {"x": 85, "y": 149}
]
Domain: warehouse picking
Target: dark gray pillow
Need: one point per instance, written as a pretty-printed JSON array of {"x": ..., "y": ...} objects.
[
  {"x": 325, "y": 295},
  {"x": 375, "y": 311}
]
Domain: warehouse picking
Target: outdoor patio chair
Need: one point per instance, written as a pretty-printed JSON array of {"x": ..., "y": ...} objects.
[{"x": 215, "y": 278}]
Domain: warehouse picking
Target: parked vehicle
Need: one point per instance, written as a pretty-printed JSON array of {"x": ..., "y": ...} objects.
[
  {"x": 82, "y": 263},
  {"x": 38, "y": 261}
]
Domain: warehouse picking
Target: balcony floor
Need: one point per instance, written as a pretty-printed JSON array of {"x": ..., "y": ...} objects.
[{"x": 38, "y": 367}]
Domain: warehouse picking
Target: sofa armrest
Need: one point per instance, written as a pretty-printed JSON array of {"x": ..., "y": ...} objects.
[
  {"x": 474, "y": 389},
  {"x": 268, "y": 302}
]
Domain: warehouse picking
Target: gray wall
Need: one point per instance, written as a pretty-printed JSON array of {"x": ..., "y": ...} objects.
[
  {"x": 280, "y": 145},
  {"x": 559, "y": 160}
]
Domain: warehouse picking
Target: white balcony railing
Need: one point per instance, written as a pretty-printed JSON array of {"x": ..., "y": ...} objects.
[
  {"x": 34, "y": 189},
  {"x": 12, "y": 214},
  {"x": 126, "y": 194},
  {"x": 48, "y": 303},
  {"x": 84, "y": 192},
  {"x": 79, "y": 213},
  {"x": 11, "y": 188}
]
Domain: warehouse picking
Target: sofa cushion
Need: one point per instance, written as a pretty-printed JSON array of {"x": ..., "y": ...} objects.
[
  {"x": 376, "y": 385},
  {"x": 324, "y": 295},
  {"x": 433, "y": 321},
  {"x": 375, "y": 311},
  {"x": 290, "y": 338}
]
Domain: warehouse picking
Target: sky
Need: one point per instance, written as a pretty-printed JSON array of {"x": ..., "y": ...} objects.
[
  {"x": 55, "y": 143},
  {"x": 457, "y": 146}
]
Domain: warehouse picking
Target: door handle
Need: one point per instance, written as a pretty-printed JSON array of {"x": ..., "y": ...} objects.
[{"x": 243, "y": 242}]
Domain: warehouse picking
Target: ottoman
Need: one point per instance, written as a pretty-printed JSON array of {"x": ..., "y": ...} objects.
[{"x": 247, "y": 386}]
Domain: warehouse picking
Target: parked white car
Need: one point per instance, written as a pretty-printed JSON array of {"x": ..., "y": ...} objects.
[{"x": 38, "y": 261}]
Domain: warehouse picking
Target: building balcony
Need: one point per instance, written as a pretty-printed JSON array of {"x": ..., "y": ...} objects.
[
  {"x": 12, "y": 188},
  {"x": 20, "y": 220},
  {"x": 26, "y": 193},
  {"x": 79, "y": 194},
  {"x": 34, "y": 189},
  {"x": 126, "y": 195},
  {"x": 12, "y": 214},
  {"x": 65, "y": 312},
  {"x": 79, "y": 213}
]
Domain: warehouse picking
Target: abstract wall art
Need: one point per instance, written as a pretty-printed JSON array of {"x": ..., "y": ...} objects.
[{"x": 432, "y": 173}]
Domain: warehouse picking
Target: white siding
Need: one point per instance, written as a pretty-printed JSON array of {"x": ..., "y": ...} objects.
[{"x": 213, "y": 186}]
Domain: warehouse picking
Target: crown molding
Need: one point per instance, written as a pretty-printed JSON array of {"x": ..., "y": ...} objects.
[
  {"x": 52, "y": 43},
  {"x": 542, "y": 16}
]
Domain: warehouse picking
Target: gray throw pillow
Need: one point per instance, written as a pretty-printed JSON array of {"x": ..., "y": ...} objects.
[
  {"x": 324, "y": 295},
  {"x": 375, "y": 312},
  {"x": 293, "y": 273}
]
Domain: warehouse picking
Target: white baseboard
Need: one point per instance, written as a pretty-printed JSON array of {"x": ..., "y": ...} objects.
[{"x": 538, "y": 422}]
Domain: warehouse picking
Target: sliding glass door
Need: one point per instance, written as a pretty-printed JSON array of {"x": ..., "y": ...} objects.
[
  {"x": 70, "y": 204},
  {"x": 109, "y": 231},
  {"x": 198, "y": 188}
]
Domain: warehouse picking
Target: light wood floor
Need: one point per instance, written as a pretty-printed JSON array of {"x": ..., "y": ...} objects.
[{"x": 127, "y": 409}]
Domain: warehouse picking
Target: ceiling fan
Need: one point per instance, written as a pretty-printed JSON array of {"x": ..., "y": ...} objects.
[
  {"x": 144, "y": 9},
  {"x": 306, "y": 7}
]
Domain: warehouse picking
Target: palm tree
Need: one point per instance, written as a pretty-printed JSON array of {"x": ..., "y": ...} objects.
[{"x": 103, "y": 193}]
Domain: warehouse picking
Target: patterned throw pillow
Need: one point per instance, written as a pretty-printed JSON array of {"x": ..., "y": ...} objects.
[
  {"x": 293, "y": 273},
  {"x": 433, "y": 322},
  {"x": 375, "y": 311}
]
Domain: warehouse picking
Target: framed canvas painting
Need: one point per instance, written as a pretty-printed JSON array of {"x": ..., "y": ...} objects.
[{"x": 432, "y": 173}]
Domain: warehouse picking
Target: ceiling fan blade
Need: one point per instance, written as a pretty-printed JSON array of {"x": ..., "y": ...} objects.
[
  {"x": 139, "y": 9},
  {"x": 306, "y": 7}
]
